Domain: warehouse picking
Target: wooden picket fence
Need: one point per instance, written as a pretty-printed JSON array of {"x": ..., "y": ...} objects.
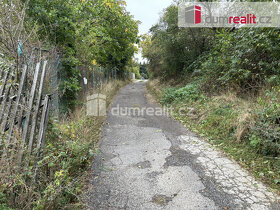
[{"x": 24, "y": 112}]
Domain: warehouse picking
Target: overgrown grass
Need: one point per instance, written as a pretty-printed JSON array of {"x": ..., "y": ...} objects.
[
  {"x": 247, "y": 130},
  {"x": 71, "y": 145}
]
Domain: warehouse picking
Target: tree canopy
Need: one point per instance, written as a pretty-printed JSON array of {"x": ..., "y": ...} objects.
[
  {"x": 87, "y": 32},
  {"x": 243, "y": 59}
]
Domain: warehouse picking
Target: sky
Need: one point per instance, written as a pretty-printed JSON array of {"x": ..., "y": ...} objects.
[{"x": 148, "y": 12}]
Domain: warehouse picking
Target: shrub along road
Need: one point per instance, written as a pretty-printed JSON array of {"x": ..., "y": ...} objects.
[{"x": 154, "y": 162}]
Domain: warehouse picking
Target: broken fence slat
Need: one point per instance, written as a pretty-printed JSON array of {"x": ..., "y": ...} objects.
[
  {"x": 4, "y": 102},
  {"x": 20, "y": 120},
  {"x": 36, "y": 111},
  {"x": 30, "y": 102},
  {"x": 7, "y": 114},
  {"x": 30, "y": 105},
  {"x": 42, "y": 132},
  {"x": 12, "y": 122},
  {"x": 20, "y": 114},
  {"x": 6, "y": 75},
  {"x": 5, "y": 121},
  {"x": 43, "y": 125}
]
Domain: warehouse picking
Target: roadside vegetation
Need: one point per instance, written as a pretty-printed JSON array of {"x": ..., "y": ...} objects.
[
  {"x": 80, "y": 35},
  {"x": 139, "y": 69},
  {"x": 228, "y": 80},
  {"x": 71, "y": 145},
  {"x": 86, "y": 32}
]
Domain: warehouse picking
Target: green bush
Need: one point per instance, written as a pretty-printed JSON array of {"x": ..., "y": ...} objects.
[
  {"x": 219, "y": 121},
  {"x": 3, "y": 202},
  {"x": 245, "y": 59},
  {"x": 185, "y": 94},
  {"x": 68, "y": 153},
  {"x": 265, "y": 134}
]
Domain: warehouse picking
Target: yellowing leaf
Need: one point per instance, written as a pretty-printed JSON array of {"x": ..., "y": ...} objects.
[{"x": 109, "y": 4}]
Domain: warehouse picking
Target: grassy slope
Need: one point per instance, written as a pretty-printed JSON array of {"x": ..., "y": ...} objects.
[{"x": 225, "y": 122}]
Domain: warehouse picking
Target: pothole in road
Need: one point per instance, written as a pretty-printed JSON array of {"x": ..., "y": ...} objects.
[
  {"x": 153, "y": 175},
  {"x": 143, "y": 165},
  {"x": 179, "y": 157},
  {"x": 162, "y": 200}
]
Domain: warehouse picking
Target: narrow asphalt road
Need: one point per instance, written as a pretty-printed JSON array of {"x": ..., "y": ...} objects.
[{"x": 153, "y": 162}]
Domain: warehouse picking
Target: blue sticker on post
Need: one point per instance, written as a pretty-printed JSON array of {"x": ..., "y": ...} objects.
[{"x": 20, "y": 47}]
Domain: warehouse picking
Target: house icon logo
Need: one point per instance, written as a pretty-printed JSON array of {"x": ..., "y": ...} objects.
[
  {"x": 96, "y": 105},
  {"x": 193, "y": 14}
]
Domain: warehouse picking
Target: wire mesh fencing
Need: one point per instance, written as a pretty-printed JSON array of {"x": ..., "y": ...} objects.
[{"x": 94, "y": 77}]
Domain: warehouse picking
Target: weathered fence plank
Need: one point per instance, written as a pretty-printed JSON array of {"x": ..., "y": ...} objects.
[
  {"x": 42, "y": 131},
  {"x": 4, "y": 102},
  {"x": 43, "y": 125},
  {"x": 30, "y": 102},
  {"x": 12, "y": 122},
  {"x": 6, "y": 75},
  {"x": 7, "y": 114},
  {"x": 22, "y": 111},
  {"x": 36, "y": 110},
  {"x": 5, "y": 121},
  {"x": 30, "y": 105},
  {"x": 20, "y": 116}
]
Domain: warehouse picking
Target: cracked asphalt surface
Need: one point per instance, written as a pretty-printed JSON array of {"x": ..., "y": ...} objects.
[{"x": 154, "y": 162}]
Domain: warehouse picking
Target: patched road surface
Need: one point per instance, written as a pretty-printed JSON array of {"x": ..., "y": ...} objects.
[{"x": 153, "y": 162}]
